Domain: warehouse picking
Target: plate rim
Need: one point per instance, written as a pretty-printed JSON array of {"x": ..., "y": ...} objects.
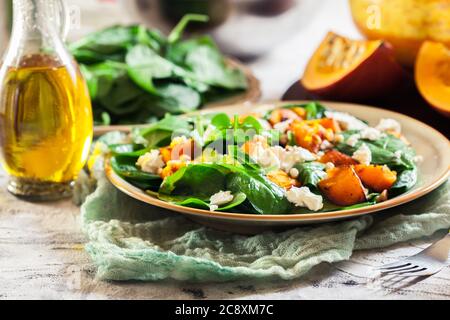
[{"x": 140, "y": 195}]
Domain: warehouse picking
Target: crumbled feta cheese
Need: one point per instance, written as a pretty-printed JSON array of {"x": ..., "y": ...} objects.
[
  {"x": 326, "y": 145},
  {"x": 363, "y": 155},
  {"x": 213, "y": 208},
  {"x": 303, "y": 197},
  {"x": 371, "y": 134},
  {"x": 353, "y": 140},
  {"x": 339, "y": 138},
  {"x": 283, "y": 126},
  {"x": 290, "y": 156},
  {"x": 346, "y": 121},
  {"x": 330, "y": 166},
  {"x": 294, "y": 173},
  {"x": 389, "y": 125},
  {"x": 151, "y": 162},
  {"x": 265, "y": 157},
  {"x": 398, "y": 154},
  {"x": 219, "y": 199}
]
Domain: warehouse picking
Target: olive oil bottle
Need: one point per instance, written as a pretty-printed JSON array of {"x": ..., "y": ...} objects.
[{"x": 46, "y": 123}]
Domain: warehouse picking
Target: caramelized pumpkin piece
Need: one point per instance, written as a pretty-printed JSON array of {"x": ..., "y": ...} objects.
[
  {"x": 404, "y": 23},
  {"x": 172, "y": 167},
  {"x": 310, "y": 134},
  {"x": 330, "y": 124},
  {"x": 376, "y": 178},
  {"x": 282, "y": 179},
  {"x": 180, "y": 147},
  {"x": 343, "y": 187},
  {"x": 338, "y": 159},
  {"x": 347, "y": 69}
]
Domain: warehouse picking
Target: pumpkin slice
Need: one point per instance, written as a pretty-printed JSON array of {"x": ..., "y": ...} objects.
[
  {"x": 352, "y": 70},
  {"x": 433, "y": 75},
  {"x": 343, "y": 187},
  {"x": 376, "y": 178},
  {"x": 406, "y": 24}
]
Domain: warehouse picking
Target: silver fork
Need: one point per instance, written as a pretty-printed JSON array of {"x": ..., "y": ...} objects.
[{"x": 426, "y": 263}]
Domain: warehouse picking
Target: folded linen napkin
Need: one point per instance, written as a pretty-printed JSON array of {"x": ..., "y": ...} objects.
[{"x": 129, "y": 240}]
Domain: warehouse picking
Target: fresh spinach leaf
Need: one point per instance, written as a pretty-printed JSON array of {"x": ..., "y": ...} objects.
[
  {"x": 196, "y": 180},
  {"x": 314, "y": 110},
  {"x": 200, "y": 204},
  {"x": 177, "y": 98},
  {"x": 263, "y": 196},
  {"x": 209, "y": 66},
  {"x": 405, "y": 181},
  {"x": 177, "y": 32},
  {"x": 126, "y": 168},
  {"x": 221, "y": 121},
  {"x": 160, "y": 133},
  {"x": 311, "y": 173},
  {"x": 145, "y": 65}
]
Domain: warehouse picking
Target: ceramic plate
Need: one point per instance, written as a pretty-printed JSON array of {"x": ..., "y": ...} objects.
[
  {"x": 251, "y": 95},
  {"x": 433, "y": 172}
]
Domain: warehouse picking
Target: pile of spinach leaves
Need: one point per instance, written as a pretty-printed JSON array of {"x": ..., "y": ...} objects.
[{"x": 137, "y": 75}]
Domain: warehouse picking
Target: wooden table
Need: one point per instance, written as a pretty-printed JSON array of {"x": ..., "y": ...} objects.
[{"x": 42, "y": 257}]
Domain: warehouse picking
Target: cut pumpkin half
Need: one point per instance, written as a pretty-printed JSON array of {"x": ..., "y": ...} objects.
[
  {"x": 433, "y": 75},
  {"x": 342, "y": 68}
]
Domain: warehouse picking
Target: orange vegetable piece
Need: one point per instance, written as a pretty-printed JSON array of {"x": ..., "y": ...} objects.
[
  {"x": 282, "y": 179},
  {"x": 338, "y": 159},
  {"x": 179, "y": 149},
  {"x": 330, "y": 124},
  {"x": 172, "y": 167},
  {"x": 343, "y": 187},
  {"x": 376, "y": 178},
  {"x": 306, "y": 135}
]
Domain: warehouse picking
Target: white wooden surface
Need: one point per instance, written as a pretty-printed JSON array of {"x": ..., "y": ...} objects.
[{"x": 41, "y": 246}]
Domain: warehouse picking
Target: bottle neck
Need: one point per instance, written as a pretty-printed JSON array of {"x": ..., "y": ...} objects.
[
  {"x": 37, "y": 30},
  {"x": 33, "y": 19}
]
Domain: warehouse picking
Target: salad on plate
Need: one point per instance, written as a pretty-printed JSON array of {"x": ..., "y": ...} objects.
[{"x": 290, "y": 160}]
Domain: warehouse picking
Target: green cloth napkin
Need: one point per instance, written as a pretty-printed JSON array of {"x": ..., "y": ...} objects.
[{"x": 129, "y": 240}]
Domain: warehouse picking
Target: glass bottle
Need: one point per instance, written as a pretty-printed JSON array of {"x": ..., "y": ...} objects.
[{"x": 46, "y": 123}]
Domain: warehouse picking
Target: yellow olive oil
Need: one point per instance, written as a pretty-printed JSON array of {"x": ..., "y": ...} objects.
[{"x": 46, "y": 123}]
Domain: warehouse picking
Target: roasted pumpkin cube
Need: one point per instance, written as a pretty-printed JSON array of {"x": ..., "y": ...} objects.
[
  {"x": 180, "y": 147},
  {"x": 306, "y": 135},
  {"x": 330, "y": 124},
  {"x": 343, "y": 187},
  {"x": 282, "y": 179},
  {"x": 338, "y": 159},
  {"x": 376, "y": 178},
  {"x": 172, "y": 167}
]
